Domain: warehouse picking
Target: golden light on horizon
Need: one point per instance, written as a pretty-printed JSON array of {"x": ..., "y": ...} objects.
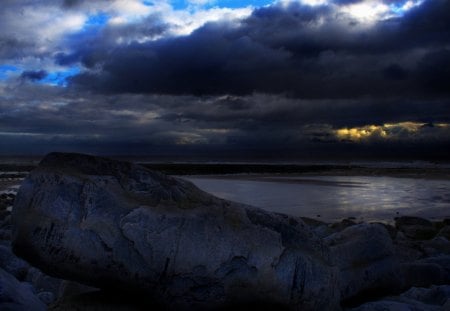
[
  {"x": 409, "y": 126},
  {"x": 360, "y": 133},
  {"x": 385, "y": 131}
]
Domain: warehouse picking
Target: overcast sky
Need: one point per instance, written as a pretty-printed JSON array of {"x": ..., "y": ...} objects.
[{"x": 229, "y": 78}]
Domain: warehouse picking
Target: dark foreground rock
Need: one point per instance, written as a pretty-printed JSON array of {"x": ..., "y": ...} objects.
[
  {"x": 117, "y": 225},
  {"x": 17, "y": 296},
  {"x": 366, "y": 259},
  {"x": 436, "y": 298},
  {"x": 150, "y": 241}
]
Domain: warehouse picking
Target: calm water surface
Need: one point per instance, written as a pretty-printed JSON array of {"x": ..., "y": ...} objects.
[{"x": 336, "y": 197}]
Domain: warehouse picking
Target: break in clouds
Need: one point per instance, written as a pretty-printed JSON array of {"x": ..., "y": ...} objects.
[{"x": 139, "y": 77}]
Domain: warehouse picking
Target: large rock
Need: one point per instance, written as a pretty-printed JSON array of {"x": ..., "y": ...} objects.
[
  {"x": 445, "y": 232},
  {"x": 415, "y": 227},
  {"x": 435, "y": 298},
  {"x": 11, "y": 264},
  {"x": 17, "y": 296},
  {"x": 114, "y": 224},
  {"x": 365, "y": 256}
]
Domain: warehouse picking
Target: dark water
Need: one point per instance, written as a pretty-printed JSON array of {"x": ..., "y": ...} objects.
[{"x": 336, "y": 197}]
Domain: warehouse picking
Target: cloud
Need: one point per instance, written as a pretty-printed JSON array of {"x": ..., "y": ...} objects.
[
  {"x": 434, "y": 71},
  {"x": 282, "y": 79},
  {"x": 301, "y": 51},
  {"x": 65, "y": 119},
  {"x": 34, "y": 75}
]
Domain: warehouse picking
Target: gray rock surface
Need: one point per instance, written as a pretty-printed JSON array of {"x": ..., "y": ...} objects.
[
  {"x": 364, "y": 254},
  {"x": 392, "y": 305},
  {"x": 435, "y": 295},
  {"x": 17, "y": 296},
  {"x": 435, "y": 298},
  {"x": 445, "y": 232},
  {"x": 46, "y": 297},
  {"x": 11, "y": 264},
  {"x": 115, "y": 224},
  {"x": 415, "y": 227}
]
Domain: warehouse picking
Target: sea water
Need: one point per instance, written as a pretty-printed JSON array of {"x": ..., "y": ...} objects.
[{"x": 335, "y": 197}]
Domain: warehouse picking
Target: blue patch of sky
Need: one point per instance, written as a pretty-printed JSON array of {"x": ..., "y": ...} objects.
[
  {"x": 60, "y": 78},
  {"x": 98, "y": 19},
  {"x": 399, "y": 7},
  {"x": 6, "y": 70},
  {"x": 233, "y": 4},
  {"x": 242, "y": 4}
]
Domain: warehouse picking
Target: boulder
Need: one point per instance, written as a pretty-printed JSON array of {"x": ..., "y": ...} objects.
[
  {"x": 422, "y": 274},
  {"x": 42, "y": 282},
  {"x": 70, "y": 288},
  {"x": 343, "y": 224},
  {"x": 415, "y": 227},
  {"x": 323, "y": 231},
  {"x": 436, "y": 246},
  {"x": 365, "y": 256},
  {"x": 435, "y": 298},
  {"x": 46, "y": 297},
  {"x": 5, "y": 234},
  {"x": 17, "y": 296},
  {"x": 406, "y": 250},
  {"x": 105, "y": 301},
  {"x": 112, "y": 224},
  {"x": 445, "y": 232},
  {"x": 393, "y": 305},
  {"x": 443, "y": 261},
  {"x": 11, "y": 264},
  {"x": 411, "y": 221},
  {"x": 435, "y": 295}
]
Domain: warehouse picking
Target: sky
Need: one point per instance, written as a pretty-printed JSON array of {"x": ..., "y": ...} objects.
[{"x": 226, "y": 78}]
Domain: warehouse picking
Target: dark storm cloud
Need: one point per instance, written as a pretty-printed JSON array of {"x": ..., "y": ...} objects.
[
  {"x": 302, "y": 51},
  {"x": 34, "y": 75},
  {"x": 434, "y": 71},
  {"x": 47, "y": 118},
  {"x": 281, "y": 81},
  {"x": 96, "y": 44},
  {"x": 11, "y": 47},
  {"x": 275, "y": 112},
  {"x": 71, "y": 3},
  {"x": 395, "y": 72}
]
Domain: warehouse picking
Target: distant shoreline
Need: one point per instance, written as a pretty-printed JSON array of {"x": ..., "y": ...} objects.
[{"x": 246, "y": 171}]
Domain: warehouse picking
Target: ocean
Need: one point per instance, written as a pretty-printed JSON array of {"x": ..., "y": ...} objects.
[{"x": 331, "y": 198}]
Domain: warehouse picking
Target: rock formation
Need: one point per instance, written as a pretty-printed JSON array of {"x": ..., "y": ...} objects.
[
  {"x": 161, "y": 241},
  {"x": 17, "y": 296},
  {"x": 116, "y": 225}
]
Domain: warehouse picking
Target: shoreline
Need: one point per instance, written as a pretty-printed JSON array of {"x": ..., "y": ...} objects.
[
  {"x": 398, "y": 170},
  {"x": 10, "y": 182}
]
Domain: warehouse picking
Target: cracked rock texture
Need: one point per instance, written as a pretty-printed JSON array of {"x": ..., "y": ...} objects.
[{"x": 116, "y": 225}]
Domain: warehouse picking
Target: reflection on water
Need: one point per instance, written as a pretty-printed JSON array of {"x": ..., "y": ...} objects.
[{"x": 335, "y": 197}]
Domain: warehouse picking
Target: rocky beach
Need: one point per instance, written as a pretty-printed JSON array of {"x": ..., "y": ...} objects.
[{"x": 89, "y": 233}]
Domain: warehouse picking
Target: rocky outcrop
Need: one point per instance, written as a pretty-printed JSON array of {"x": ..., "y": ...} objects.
[
  {"x": 11, "y": 264},
  {"x": 415, "y": 227},
  {"x": 117, "y": 225},
  {"x": 145, "y": 237},
  {"x": 436, "y": 298},
  {"x": 17, "y": 296},
  {"x": 364, "y": 254}
]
